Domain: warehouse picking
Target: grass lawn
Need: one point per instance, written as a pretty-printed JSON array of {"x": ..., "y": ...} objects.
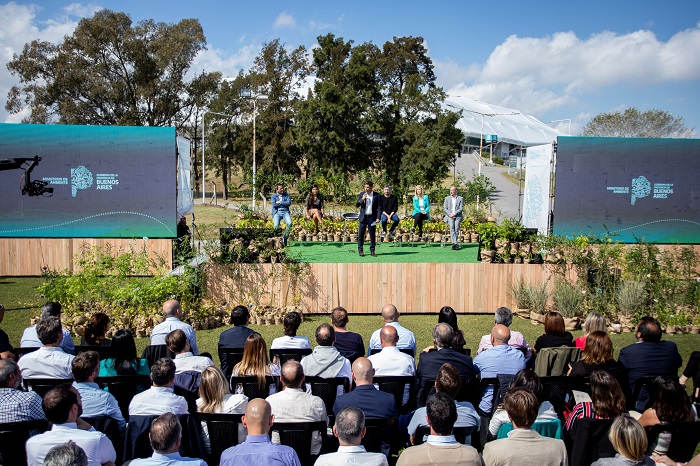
[{"x": 333, "y": 253}]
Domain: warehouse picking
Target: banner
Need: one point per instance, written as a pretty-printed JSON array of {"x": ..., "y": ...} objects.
[
  {"x": 185, "y": 205},
  {"x": 536, "y": 199}
]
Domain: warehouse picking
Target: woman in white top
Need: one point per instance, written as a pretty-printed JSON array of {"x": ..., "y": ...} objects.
[
  {"x": 292, "y": 321},
  {"x": 215, "y": 397},
  {"x": 528, "y": 379}
]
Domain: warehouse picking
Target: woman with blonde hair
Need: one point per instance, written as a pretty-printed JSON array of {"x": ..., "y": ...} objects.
[
  {"x": 421, "y": 209},
  {"x": 597, "y": 356},
  {"x": 215, "y": 397},
  {"x": 595, "y": 322},
  {"x": 255, "y": 361},
  {"x": 629, "y": 440}
]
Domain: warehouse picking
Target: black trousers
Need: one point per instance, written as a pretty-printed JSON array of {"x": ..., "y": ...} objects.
[{"x": 361, "y": 235}]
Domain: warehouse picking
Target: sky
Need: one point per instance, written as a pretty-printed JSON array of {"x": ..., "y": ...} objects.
[{"x": 552, "y": 60}]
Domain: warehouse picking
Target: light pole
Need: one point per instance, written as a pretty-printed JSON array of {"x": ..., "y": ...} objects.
[
  {"x": 564, "y": 119},
  {"x": 203, "y": 115},
  {"x": 247, "y": 93}
]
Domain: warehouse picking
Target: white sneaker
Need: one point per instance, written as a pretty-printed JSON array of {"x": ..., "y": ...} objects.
[{"x": 383, "y": 234}]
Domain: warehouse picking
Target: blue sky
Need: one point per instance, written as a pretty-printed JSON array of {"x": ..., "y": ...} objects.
[{"x": 552, "y": 60}]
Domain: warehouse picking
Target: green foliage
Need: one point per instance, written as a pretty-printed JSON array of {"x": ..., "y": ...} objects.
[
  {"x": 488, "y": 232},
  {"x": 630, "y": 297},
  {"x": 539, "y": 297},
  {"x": 521, "y": 292},
  {"x": 479, "y": 187},
  {"x": 511, "y": 229},
  {"x": 568, "y": 299},
  {"x": 652, "y": 123}
]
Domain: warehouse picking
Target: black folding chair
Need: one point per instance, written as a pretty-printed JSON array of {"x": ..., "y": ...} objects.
[
  {"x": 685, "y": 437},
  {"x": 229, "y": 357},
  {"x": 641, "y": 389},
  {"x": 251, "y": 386},
  {"x": 222, "y": 430},
  {"x": 558, "y": 391},
  {"x": 327, "y": 390},
  {"x": 14, "y": 436},
  {"x": 105, "y": 352},
  {"x": 298, "y": 435},
  {"x": 19, "y": 352},
  {"x": 286, "y": 354},
  {"x": 42, "y": 386},
  {"x": 137, "y": 443},
  {"x": 152, "y": 353},
  {"x": 407, "y": 351},
  {"x": 588, "y": 441},
  {"x": 375, "y": 435},
  {"x": 124, "y": 388},
  {"x": 396, "y": 385}
]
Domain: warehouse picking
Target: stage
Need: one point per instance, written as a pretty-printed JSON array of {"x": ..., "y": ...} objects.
[{"x": 387, "y": 253}]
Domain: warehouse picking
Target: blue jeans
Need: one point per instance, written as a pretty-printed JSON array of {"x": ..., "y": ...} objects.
[
  {"x": 394, "y": 218},
  {"x": 287, "y": 220}
]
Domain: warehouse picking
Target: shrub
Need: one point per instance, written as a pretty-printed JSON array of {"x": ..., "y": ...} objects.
[{"x": 568, "y": 299}]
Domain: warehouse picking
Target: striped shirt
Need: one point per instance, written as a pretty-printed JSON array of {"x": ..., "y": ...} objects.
[{"x": 581, "y": 410}]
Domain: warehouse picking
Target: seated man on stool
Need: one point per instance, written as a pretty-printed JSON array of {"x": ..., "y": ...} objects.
[{"x": 390, "y": 209}]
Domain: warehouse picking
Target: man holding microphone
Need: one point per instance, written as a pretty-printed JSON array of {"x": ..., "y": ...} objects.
[{"x": 370, "y": 205}]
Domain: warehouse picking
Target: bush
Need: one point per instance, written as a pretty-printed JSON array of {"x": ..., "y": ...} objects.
[
  {"x": 520, "y": 292},
  {"x": 568, "y": 299}
]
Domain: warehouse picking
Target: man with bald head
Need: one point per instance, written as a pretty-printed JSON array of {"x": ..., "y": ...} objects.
[
  {"x": 173, "y": 313},
  {"x": 390, "y": 316},
  {"x": 372, "y": 402},
  {"x": 258, "y": 450},
  {"x": 293, "y": 404},
  {"x": 502, "y": 359},
  {"x": 390, "y": 361},
  {"x": 430, "y": 362}
]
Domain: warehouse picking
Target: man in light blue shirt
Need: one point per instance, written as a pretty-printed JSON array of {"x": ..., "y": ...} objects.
[
  {"x": 49, "y": 361},
  {"x": 30, "y": 338},
  {"x": 166, "y": 436},
  {"x": 96, "y": 402},
  {"x": 173, "y": 313},
  {"x": 390, "y": 316},
  {"x": 280, "y": 210},
  {"x": 258, "y": 450},
  {"x": 502, "y": 359}
]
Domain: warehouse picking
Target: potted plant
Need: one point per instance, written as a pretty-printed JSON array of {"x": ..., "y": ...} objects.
[
  {"x": 567, "y": 299},
  {"x": 519, "y": 291},
  {"x": 630, "y": 297},
  {"x": 539, "y": 297},
  {"x": 487, "y": 235}
]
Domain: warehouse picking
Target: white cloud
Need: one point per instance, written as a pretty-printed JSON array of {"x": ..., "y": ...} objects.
[
  {"x": 285, "y": 20},
  {"x": 214, "y": 59}
]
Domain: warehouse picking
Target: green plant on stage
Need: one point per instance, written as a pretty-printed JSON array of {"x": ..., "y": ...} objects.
[
  {"x": 488, "y": 232},
  {"x": 567, "y": 299},
  {"x": 510, "y": 229}
]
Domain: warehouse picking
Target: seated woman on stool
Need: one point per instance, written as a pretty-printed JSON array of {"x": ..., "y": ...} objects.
[
  {"x": 421, "y": 209},
  {"x": 314, "y": 208}
]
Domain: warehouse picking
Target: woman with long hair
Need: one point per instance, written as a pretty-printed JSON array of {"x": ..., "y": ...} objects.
[
  {"x": 124, "y": 361},
  {"x": 597, "y": 356},
  {"x": 255, "y": 361},
  {"x": 595, "y": 322},
  {"x": 96, "y": 330},
  {"x": 629, "y": 440},
  {"x": 421, "y": 209},
  {"x": 448, "y": 316},
  {"x": 607, "y": 400},
  {"x": 314, "y": 208},
  {"x": 215, "y": 397},
  {"x": 291, "y": 322},
  {"x": 555, "y": 333}
]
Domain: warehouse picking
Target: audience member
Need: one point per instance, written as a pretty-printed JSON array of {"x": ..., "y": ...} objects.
[
  {"x": 649, "y": 357},
  {"x": 256, "y": 361},
  {"x": 390, "y": 316},
  {"x": 598, "y": 356},
  {"x": 291, "y": 322},
  {"x": 62, "y": 406},
  {"x": 293, "y": 404},
  {"x": 595, "y": 322},
  {"x": 326, "y": 361},
  {"x": 555, "y": 334},
  {"x": 448, "y": 382},
  {"x": 49, "y": 361},
  {"x": 349, "y": 344},
  {"x": 528, "y": 379},
  {"x": 501, "y": 359},
  {"x": 607, "y": 400},
  {"x": 629, "y": 440},
  {"x": 166, "y": 436},
  {"x": 160, "y": 398},
  {"x": 15, "y": 404},
  {"x": 441, "y": 447},
  {"x": 6, "y": 350},
  {"x": 95, "y": 401},
  {"x": 258, "y": 450},
  {"x": 96, "y": 331},
  {"x": 350, "y": 429},
  {"x": 449, "y": 316},
  {"x": 66, "y": 454},
  {"x": 215, "y": 397},
  {"x": 372, "y": 402},
  {"x": 524, "y": 446},
  {"x": 431, "y": 362},
  {"x": 504, "y": 316},
  {"x": 30, "y": 337},
  {"x": 691, "y": 371},
  {"x": 124, "y": 361},
  {"x": 235, "y": 337},
  {"x": 173, "y": 315},
  {"x": 184, "y": 359},
  {"x": 663, "y": 459},
  {"x": 392, "y": 362}
]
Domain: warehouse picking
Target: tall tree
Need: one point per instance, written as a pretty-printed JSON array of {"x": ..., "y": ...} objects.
[
  {"x": 110, "y": 72},
  {"x": 635, "y": 124}
]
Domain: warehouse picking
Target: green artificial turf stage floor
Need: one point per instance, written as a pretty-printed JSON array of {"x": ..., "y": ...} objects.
[{"x": 386, "y": 253}]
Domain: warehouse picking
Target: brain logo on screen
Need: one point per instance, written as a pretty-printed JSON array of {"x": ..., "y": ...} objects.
[
  {"x": 641, "y": 187},
  {"x": 80, "y": 178}
]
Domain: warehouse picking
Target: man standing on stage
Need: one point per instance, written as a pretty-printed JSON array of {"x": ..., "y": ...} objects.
[
  {"x": 390, "y": 208},
  {"x": 453, "y": 206},
  {"x": 280, "y": 210},
  {"x": 370, "y": 205}
]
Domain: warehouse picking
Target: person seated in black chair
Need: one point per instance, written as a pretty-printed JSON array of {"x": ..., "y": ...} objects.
[
  {"x": 160, "y": 398},
  {"x": 49, "y": 361},
  {"x": 96, "y": 402},
  {"x": 96, "y": 331},
  {"x": 235, "y": 337},
  {"x": 349, "y": 344},
  {"x": 67, "y": 454},
  {"x": 15, "y": 404},
  {"x": 184, "y": 359},
  {"x": 166, "y": 436},
  {"x": 350, "y": 429},
  {"x": 173, "y": 313}
]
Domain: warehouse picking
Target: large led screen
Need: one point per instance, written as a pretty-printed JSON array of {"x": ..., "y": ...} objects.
[
  {"x": 107, "y": 181},
  {"x": 633, "y": 188}
]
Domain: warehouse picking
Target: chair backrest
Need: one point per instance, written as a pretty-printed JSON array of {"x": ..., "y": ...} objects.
[
  {"x": 588, "y": 441},
  {"x": 104, "y": 351},
  {"x": 501, "y": 385},
  {"x": 222, "y": 430},
  {"x": 641, "y": 389},
  {"x": 229, "y": 357},
  {"x": 124, "y": 388},
  {"x": 376, "y": 426},
  {"x": 555, "y": 361},
  {"x": 13, "y": 437},
  {"x": 460, "y": 433},
  {"x": 138, "y": 445},
  {"x": 298, "y": 435},
  {"x": 19, "y": 352},
  {"x": 42, "y": 386},
  {"x": 396, "y": 385},
  {"x": 685, "y": 437},
  {"x": 287, "y": 354},
  {"x": 327, "y": 389},
  {"x": 407, "y": 351},
  {"x": 152, "y": 353},
  {"x": 187, "y": 386},
  {"x": 251, "y": 388},
  {"x": 558, "y": 391},
  {"x": 110, "y": 427},
  {"x": 551, "y": 429}
]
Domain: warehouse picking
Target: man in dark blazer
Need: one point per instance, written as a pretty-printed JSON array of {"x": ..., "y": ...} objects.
[
  {"x": 235, "y": 337},
  {"x": 430, "y": 362},
  {"x": 370, "y": 205},
  {"x": 649, "y": 357},
  {"x": 372, "y": 402}
]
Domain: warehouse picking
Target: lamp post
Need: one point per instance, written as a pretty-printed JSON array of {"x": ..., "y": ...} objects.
[
  {"x": 203, "y": 115},
  {"x": 247, "y": 93},
  {"x": 564, "y": 119}
]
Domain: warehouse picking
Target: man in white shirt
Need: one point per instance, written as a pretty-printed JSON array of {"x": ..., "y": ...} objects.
[
  {"x": 160, "y": 398},
  {"x": 30, "y": 339},
  {"x": 62, "y": 406},
  {"x": 49, "y": 361},
  {"x": 166, "y": 436},
  {"x": 293, "y": 404},
  {"x": 390, "y": 316},
  {"x": 95, "y": 401},
  {"x": 184, "y": 359},
  {"x": 173, "y": 313},
  {"x": 390, "y": 361},
  {"x": 350, "y": 429}
]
